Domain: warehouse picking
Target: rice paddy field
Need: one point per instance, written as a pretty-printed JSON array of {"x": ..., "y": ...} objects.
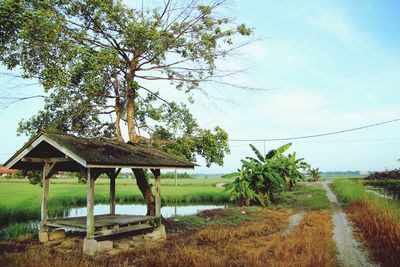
[{"x": 21, "y": 201}]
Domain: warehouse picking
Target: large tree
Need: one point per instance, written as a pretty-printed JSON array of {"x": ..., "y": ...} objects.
[{"x": 103, "y": 63}]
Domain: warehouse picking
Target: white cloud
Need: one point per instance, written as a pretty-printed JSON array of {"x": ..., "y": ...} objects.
[{"x": 336, "y": 22}]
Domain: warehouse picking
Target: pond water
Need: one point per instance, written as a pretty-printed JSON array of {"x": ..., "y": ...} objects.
[
  {"x": 141, "y": 209},
  {"x": 379, "y": 192}
]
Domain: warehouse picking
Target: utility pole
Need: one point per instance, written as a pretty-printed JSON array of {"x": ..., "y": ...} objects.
[
  {"x": 176, "y": 178},
  {"x": 264, "y": 146}
]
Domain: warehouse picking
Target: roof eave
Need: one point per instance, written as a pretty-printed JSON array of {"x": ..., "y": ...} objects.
[{"x": 101, "y": 166}]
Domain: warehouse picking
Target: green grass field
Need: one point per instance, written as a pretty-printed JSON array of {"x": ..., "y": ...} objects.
[{"x": 21, "y": 201}]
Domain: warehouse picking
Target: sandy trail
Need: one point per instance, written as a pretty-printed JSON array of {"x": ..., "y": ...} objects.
[
  {"x": 294, "y": 221},
  {"x": 351, "y": 251}
]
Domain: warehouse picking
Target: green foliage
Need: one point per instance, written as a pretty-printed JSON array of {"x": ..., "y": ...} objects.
[
  {"x": 212, "y": 146},
  {"x": 34, "y": 177},
  {"x": 241, "y": 191},
  {"x": 261, "y": 177}
]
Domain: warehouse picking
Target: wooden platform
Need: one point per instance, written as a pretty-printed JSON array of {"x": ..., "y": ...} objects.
[{"x": 106, "y": 224}]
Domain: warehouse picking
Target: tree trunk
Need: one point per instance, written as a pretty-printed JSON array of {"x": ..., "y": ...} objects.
[
  {"x": 130, "y": 108},
  {"x": 144, "y": 187},
  {"x": 118, "y": 120},
  {"x": 118, "y": 133}
]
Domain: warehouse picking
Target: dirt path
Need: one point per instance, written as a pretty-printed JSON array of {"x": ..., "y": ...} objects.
[
  {"x": 351, "y": 252},
  {"x": 294, "y": 221}
]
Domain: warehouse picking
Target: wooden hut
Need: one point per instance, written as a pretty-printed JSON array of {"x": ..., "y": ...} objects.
[{"x": 53, "y": 152}]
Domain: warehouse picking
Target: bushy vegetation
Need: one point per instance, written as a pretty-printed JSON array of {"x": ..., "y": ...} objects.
[
  {"x": 377, "y": 218},
  {"x": 261, "y": 177},
  {"x": 315, "y": 174},
  {"x": 171, "y": 175},
  {"x": 388, "y": 174},
  {"x": 388, "y": 180}
]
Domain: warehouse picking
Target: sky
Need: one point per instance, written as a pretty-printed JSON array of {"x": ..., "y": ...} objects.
[{"x": 327, "y": 65}]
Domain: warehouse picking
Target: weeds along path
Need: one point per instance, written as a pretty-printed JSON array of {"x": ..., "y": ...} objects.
[{"x": 350, "y": 251}]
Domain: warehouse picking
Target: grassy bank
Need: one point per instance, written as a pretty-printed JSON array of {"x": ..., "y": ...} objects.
[
  {"x": 377, "y": 218},
  {"x": 304, "y": 197},
  {"x": 21, "y": 201}
]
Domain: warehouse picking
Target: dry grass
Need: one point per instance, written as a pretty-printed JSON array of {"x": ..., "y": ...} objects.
[
  {"x": 255, "y": 243},
  {"x": 380, "y": 227}
]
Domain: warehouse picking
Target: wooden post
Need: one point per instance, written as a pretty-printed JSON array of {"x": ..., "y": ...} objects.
[
  {"x": 112, "y": 174},
  {"x": 44, "y": 211},
  {"x": 112, "y": 195},
  {"x": 157, "y": 176},
  {"x": 90, "y": 205}
]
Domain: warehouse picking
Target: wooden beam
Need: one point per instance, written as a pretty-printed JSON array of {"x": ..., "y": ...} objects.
[
  {"x": 94, "y": 166},
  {"x": 46, "y": 160},
  {"x": 50, "y": 170},
  {"x": 93, "y": 173},
  {"x": 117, "y": 172},
  {"x": 157, "y": 176},
  {"x": 90, "y": 205},
  {"x": 112, "y": 174}
]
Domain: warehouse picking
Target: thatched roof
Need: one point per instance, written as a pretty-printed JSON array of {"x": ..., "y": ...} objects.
[{"x": 92, "y": 153}]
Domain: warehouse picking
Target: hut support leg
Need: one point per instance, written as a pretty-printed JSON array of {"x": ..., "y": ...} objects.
[
  {"x": 112, "y": 195},
  {"x": 160, "y": 230},
  {"x": 89, "y": 243},
  {"x": 157, "y": 176},
  {"x": 43, "y": 232},
  {"x": 112, "y": 175}
]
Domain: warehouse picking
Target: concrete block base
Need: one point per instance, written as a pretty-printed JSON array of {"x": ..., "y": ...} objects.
[
  {"x": 43, "y": 236},
  {"x": 89, "y": 246},
  {"x": 158, "y": 233},
  {"x": 56, "y": 235},
  {"x": 104, "y": 246}
]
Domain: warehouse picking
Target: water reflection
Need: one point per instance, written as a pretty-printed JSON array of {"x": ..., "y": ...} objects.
[{"x": 140, "y": 209}]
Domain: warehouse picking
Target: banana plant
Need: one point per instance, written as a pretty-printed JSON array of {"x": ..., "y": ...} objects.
[
  {"x": 240, "y": 190},
  {"x": 262, "y": 176},
  {"x": 315, "y": 174}
]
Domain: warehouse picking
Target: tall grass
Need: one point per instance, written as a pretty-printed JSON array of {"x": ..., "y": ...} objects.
[
  {"x": 18, "y": 230},
  {"x": 377, "y": 218}
]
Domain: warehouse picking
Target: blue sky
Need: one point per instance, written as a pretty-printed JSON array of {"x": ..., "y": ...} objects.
[{"x": 330, "y": 65}]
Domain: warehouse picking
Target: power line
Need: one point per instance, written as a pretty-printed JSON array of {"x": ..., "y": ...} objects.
[{"x": 315, "y": 135}]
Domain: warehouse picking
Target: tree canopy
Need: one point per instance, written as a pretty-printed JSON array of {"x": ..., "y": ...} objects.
[{"x": 103, "y": 63}]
